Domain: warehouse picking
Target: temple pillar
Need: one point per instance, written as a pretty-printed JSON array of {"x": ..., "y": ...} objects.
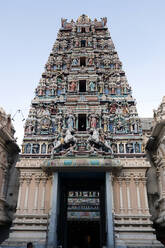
[
  {"x": 163, "y": 177},
  {"x": 109, "y": 199},
  {"x": 118, "y": 150},
  {"x": 3, "y": 186},
  {"x": 21, "y": 180},
  {"x": 120, "y": 180},
  {"x": 159, "y": 181},
  {"x": 37, "y": 182},
  {"x": 144, "y": 181},
  {"x": 113, "y": 207},
  {"x": 52, "y": 231},
  {"x": 124, "y": 147},
  {"x": 138, "y": 195},
  {"x": 28, "y": 181},
  {"x": 128, "y": 179},
  {"x": 43, "y": 180}
]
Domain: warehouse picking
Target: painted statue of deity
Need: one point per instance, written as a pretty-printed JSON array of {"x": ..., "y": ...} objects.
[
  {"x": 59, "y": 126},
  {"x": 101, "y": 88},
  {"x": 93, "y": 122},
  {"x": 77, "y": 43},
  {"x": 89, "y": 43},
  {"x": 106, "y": 90},
  {"x": 59, "y": 80},
  {"x": 105, "y": 125},
  {"x": 112, "y": 90},
  {"x": 125, "y": 110},
  {"x": 75, "y": 62},
  {"x": 121, "y": 148},
  {"x": 70, "y": 122},
  {"x": 92, "y": 86},
  {"x": 48, "y": 67},
  {"x": 45, "y": 123},
  {"x": 118, "y": 91},
  {"x": 72, "y": 86},
  {"x": 90, "y": 61},
  {"x": 137, "y": 148},
  {"x": 113, "y": 108},
  {"x": 59, "y": 90}
]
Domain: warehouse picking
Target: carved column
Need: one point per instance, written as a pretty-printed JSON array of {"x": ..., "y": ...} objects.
[
  {"x": 109, "y": 200},
  {"x": 120, "y": 180},
  {"x": 112, "y": 181},
  {"x": 3, "y": 186},
  {"x": 87, "y": 120},
  {"x": 162, "y": 192},
  {"x": 144, "y": 181},
  {"x": 28, "y": 180},
  {"x": 43, "y": 180},
  {"x": 138, "y": 195},
  {"x": 117, "y": 147},
  {"x": 124, "y": 147},
  {"x": 37, "y": 181},
  {"x": 76, "y": 121},
  {"x": 52, "y": 230},
  {"x": 21, "y": 180},
  {"x": 128, "y": 179},
  {"x": 163, "y": 177},
  {"x": 133, "y": 147},
  {"x": 159, "y": 181},
  {"x": 140, "y": 148}
]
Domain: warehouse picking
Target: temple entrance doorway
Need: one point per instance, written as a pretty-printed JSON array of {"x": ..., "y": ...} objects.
[
  {"x": 82, "y": 210},
  {"x": 83, "y": 234}
]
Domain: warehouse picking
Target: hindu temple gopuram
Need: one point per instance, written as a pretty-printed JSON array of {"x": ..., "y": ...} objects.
[{"x": 83, "y": 166}]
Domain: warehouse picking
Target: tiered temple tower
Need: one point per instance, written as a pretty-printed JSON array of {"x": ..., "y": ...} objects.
[{"x": 83, "y": 167}]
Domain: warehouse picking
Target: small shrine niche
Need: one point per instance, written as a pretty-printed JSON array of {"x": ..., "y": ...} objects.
[
  {"x": 83, "y": 43},
  {"x": 82, "y": 86},
  {"x": 83, "y": 30},
  {"x": 82, "y": 61},
  {"x": 82, "y": 122}
]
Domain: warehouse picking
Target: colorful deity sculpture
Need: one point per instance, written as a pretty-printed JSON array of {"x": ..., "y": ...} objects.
[
  {"x": 70, "y": 122},
  {"x": 75, "y": 62},
  {"x": 93, "y": 122},
  {"x": 92, "y": 86},
  {"x": 72, "y": 86}
]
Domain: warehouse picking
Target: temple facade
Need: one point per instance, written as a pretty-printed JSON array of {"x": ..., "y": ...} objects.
[
  {"x": 9, "y": 183},
  {"x": 156, "y": 173},
  {"x": 83, "y": 166}
]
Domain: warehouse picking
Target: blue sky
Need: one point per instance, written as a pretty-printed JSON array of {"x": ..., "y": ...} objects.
[{"x": 28, "y": 29}]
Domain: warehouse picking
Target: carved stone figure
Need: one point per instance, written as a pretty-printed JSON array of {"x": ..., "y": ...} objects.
[
  {"x": 92, "y": 86},
  {"x": 45, "y": 123},
  {"x": 93, "y": 122},
  {"x": 70, "y": 122},
  {"x": 112, "y": 108},
  {"x": 63, "y": 141},
  {"x": 90, "y": 61},
  {"x": 72, "y": 86},
  {"x": 75, "y": 62},
  {"x": 69, "y": 137}
]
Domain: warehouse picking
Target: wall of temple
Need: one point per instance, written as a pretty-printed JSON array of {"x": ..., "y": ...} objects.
[
  {"x": 8, "y": 175},
  {"x": 156, "y": 181}
]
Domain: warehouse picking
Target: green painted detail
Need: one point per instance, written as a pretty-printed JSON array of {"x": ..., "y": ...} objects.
[
  {"x": 68, "y": 162},
  {"x": 94, "y": 162}
]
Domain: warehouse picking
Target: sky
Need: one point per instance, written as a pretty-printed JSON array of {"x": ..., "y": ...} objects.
[{"x": 28, "y": 29}]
